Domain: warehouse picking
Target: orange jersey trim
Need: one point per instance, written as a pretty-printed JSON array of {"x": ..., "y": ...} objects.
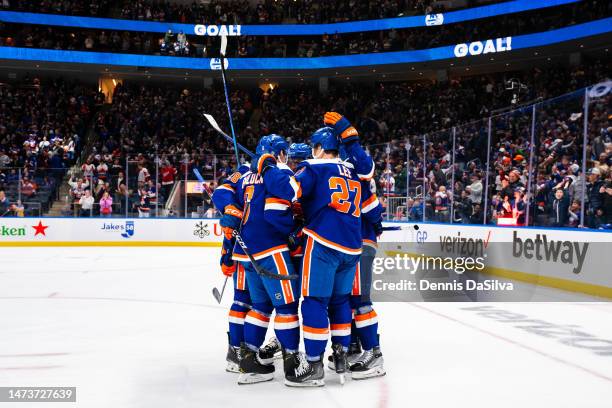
[
  {"x": 256, "y": 315},
  {"x": 262, "y": 254},
  {"x": 286, "y": 319},
  {"x": 285, "y": 284},
  {"x": 277, "y": 201},
  {"x": 330, "y": 244},
  {"x": 306, "y": 266},
  {"x": 367, "y": 316},
  {"x": 317, "y": 330}
]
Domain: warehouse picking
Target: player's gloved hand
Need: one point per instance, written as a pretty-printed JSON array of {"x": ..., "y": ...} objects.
[
  {"x": 342, "y": 127},
  {"x": 298, "y": 212},
  {"x": 296, "y": 241},
  {"x": 228, "y": 266},
  {"x": 262, "y": 163},
  {"x": 230, "y": 221},
  {"x": 378, "y": 228}
]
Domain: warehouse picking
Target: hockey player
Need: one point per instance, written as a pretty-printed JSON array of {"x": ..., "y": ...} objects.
[
  {"x": 330, "y": 193},
  {"x": 365, "y": 323},
  {"x": 224, "y": 200},
  {"x": 298, "y": 152},
  {"x": 364, "y": 326},
  {"x": 267, "y": 221}
]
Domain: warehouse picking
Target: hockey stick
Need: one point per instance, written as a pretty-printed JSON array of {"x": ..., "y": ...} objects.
[
  {"x": 226, "y": 90},
  {"x": 399, "y": 228},
  {"x": 260, "y": 271},
  {"x": 215, "y": 126},
  {"x": 219, "y": 295}
]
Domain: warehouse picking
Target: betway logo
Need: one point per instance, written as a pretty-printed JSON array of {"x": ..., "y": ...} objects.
[
  {"x": 12, "y": 231},
  {"x": 486, "y": 47},
  {"x": 543, "y": 249}
]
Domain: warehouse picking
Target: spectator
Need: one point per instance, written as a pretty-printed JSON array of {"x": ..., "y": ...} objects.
[
  {"x": 86, "y": 202},
  {"x": 19, "y": 209},
  {"x": 168, "y": 174},
  {"x": 143, "y": 206},
  {"x": 559, "y": 214},
  {"x": 441, "y": 207},
  {"x": 416, "y": 211},
  {"x": 106, "y": 205},
  {"x": 28, "y": 189},
  {"x": 77, "y": 190},
  {"x": 5, "y": 204},
  {"x": 475, "y": 189},
  {"x": 595, "y": 194},
  {"x": 143, "y": 175}
]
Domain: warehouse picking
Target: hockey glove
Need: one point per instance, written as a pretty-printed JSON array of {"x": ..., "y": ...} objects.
[
  {"x": 342, "y": 127},
  {"x": 262, "y": 163},
  {"x": 230, "y": 221},
  {"x": 298, "y": 213},
  {"x": 228, "y": 265},
  {"x": 296, "y": 241},
  {"x": 378, "y": 228}
]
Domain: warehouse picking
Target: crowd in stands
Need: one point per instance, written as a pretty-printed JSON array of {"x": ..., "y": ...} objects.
[
  {"x": 97, "y": 8},
  {"x": 153, "y": 136},
  {"x": 234, "y": 11},
  {"x": 41, "y": 131},
  {"x": 182, "y": 44}
]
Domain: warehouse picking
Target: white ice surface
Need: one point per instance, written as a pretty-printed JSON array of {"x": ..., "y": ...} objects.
[{"x": 138, "y": 327}]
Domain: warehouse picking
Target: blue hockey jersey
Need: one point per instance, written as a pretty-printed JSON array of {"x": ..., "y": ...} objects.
[
  {"x": 330, "y": 194},
  {"x": 361, "y": 161},
  {"x": 225, "y": 194},
  {"x": 267, "y": 219},
  {"x": 371, "y": 214}
]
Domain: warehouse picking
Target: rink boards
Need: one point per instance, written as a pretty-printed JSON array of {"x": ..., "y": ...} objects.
[{"x": 572, "y": 260}]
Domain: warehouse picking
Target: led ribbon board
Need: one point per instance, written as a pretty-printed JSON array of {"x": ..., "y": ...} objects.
[
  {"x": 515, "y": 6},
  {"x": 476, "y": 47}
]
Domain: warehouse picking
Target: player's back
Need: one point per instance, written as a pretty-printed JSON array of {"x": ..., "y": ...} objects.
[
  {"x": 261, "y": 218},
  {"x": 331, "y": 200}
]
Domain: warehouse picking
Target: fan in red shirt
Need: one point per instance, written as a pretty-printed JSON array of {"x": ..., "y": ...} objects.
[{"x": 168, "y": 174}]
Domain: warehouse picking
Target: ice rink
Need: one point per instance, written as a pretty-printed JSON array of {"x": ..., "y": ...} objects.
[{"x": 138, "y": 327}]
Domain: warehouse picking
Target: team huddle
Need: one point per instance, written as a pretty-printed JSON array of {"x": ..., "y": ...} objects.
[{"x": 300, "y": 232}]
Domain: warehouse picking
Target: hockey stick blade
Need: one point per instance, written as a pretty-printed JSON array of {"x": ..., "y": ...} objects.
[
  {"x": 219, "y": 295},
  {"x": 223, "y": 45},
  {"x": 261, "y": 271},
  {"x": 216, "y": 295},
  {"x": 399, "y": 228},
  {"x": 215, "y": 125}
]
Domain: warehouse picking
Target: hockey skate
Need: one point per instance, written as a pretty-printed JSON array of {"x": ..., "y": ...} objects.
[
  {"x": 300, "y": 372},
  {"x": 368, "y": 365},
  {"x": 270, "y": 351},
  {"x": 233, "y": 359},
  {"x": 340, "y": 361},
  {"x": 352, "y": 355},
  {"x": 252, "y": 370}
]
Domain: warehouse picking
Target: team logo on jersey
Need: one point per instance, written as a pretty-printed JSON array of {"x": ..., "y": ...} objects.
[{"x": 201, "y": 230}]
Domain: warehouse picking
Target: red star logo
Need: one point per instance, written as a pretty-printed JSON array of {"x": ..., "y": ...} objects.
[{"x": 40, "y": 228}]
